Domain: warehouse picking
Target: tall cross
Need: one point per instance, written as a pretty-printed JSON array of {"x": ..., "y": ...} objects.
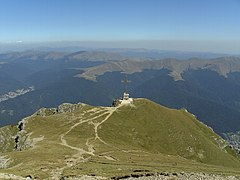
[{"x": 125, "y": 81}]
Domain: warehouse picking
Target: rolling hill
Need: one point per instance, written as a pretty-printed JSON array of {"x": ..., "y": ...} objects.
[{"x": 143, "y": 139}]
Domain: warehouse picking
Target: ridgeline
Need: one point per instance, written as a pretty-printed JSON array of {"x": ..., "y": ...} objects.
[{"x": 139, "y": 139}]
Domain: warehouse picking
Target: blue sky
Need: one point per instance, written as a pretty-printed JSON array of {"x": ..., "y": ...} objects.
[{"x": 193, "y": 21}]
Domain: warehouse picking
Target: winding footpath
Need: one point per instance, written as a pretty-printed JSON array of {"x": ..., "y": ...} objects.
[{"x": 95, "y": 114}]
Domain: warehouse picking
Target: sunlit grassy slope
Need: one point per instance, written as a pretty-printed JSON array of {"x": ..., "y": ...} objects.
[{"x": 113, "y": 141}]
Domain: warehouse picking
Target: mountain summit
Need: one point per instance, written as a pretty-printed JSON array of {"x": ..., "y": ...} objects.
[{"x": 136, "y": 139}]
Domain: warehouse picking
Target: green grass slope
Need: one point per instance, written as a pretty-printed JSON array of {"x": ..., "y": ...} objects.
[
  {"x": 7, "y": 138},
  {"x": 157, "y": 129},
  {"x": 79, "y": 139}
]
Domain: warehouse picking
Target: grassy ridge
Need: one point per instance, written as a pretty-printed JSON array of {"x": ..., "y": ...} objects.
[
  {"x": 109, "y": 141},
  {"x": 156, "y": 129}
]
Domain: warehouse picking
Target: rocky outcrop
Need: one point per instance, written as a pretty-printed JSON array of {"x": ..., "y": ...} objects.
[
  {"x": 15, "y": 138},
  {"x": 46, "y": 112},
  {"x": 23, "y": 139},
  {"x": 176, "y": 176},
  {"x": 63, "y": 108},
  {"x": 21, "y": 136},
  {"x": 4, "y": 162},
  {"x": 13, "y": 177},
  {"x": 67, "y": 107},
  {"x": 145, "y": 175},
  {"x": 234, "y": 140}
]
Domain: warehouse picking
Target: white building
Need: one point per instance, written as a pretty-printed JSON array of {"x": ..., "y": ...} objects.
[{"x": 126, "y": 100}]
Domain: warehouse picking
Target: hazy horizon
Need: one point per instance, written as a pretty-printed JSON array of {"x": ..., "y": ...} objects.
[
  {"x": 209, "y": 26},
  {"x": 164, "y": 45}
]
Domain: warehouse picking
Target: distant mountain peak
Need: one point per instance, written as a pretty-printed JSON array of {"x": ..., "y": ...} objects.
[{"x": 222, "y": 66}]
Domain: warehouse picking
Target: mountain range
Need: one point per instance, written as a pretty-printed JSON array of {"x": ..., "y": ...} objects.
[{"x": 208, "y": 88}]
